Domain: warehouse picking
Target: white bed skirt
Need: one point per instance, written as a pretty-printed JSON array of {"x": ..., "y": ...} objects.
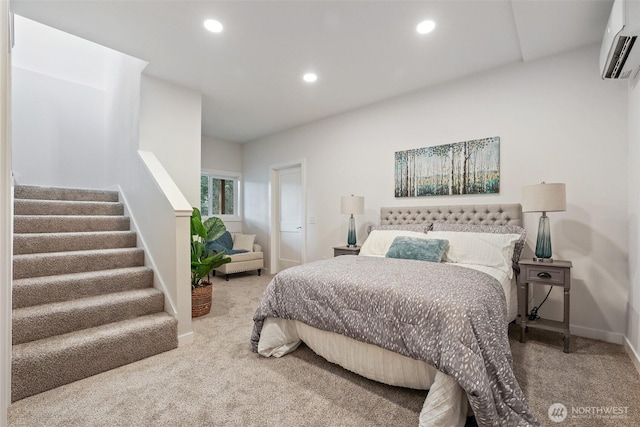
[{"x": 446, "y": 404}]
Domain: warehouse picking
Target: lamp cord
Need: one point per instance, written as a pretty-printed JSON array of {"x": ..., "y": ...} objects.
[{"x": 534, "y": 311}]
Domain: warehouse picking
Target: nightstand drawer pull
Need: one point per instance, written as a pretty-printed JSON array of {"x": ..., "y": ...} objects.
[{"x": 545, "y": 274}]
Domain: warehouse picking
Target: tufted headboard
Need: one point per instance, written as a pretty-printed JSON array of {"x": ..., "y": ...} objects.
[{"x": 498, "y": 214}]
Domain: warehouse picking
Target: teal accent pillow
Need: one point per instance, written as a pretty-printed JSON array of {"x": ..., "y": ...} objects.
[
  {"x": 419, "y": 249},
  {"x": 224, "y": 243}
]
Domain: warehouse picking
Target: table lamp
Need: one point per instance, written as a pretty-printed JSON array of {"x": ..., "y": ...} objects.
[
  {"x": 544, "y": 198},
  {"x": 352, "y": 205}
]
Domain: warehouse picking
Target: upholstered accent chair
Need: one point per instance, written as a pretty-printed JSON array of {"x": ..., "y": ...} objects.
[{"x": 253, "y": 259}]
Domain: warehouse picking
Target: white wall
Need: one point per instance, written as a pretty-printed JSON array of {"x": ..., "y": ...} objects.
[
  {"x": 6, "y": 223},
  {"x": 633, "y": 307},
  {"x": 59, "y": 107},
  {"x": 58, "y": 54},
  {"x": 58, "y": 131},
  {"x": 558, "y": 122},
  {"x": 122, "y": 105},
  {"x": 170, "y": 127},
  {"x": 221, "y": 155}
]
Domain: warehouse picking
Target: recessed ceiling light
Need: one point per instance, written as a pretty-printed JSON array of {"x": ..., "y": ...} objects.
[
  {"x": 425, "y": 27},
  {"x": 310, "y": 77},
  {"x": 213, "y": 25}
]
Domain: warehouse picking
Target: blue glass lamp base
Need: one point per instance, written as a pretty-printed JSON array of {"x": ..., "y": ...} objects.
[
  {"x": 543, "y": 244},
  {"x": 351, "y": 236}
]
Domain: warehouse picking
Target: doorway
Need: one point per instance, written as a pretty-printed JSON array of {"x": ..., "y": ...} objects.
[{"x": 288, "y": 211}]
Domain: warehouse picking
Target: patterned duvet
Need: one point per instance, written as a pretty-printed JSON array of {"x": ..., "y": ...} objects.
[{"x": 451, "y": 317}]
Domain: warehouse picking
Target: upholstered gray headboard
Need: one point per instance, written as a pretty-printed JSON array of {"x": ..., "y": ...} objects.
[{"x": 497, "y": 214}]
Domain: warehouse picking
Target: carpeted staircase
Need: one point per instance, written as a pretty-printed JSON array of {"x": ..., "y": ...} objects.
[{"x": 83, "y": 301}]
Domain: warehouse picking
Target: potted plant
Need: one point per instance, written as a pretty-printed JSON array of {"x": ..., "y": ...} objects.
[{"x": 203, "y": 260}]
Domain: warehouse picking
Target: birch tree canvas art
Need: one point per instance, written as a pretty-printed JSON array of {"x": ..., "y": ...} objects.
[{"x": 468, "y": 167}]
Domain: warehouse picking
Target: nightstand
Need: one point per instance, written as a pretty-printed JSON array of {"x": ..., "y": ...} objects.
[
  {"x": 345, "y": 250},
  {"x": 556, "y": 273}
]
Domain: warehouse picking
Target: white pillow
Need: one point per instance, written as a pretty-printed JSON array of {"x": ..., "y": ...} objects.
[
  {"x": 489, "y": 249},
  {"x": 379, "y": 241},
  {"x": 243, "y": 242}
]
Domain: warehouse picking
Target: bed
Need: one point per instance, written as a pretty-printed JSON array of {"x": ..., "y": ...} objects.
[{"x": 390, "y": 316}]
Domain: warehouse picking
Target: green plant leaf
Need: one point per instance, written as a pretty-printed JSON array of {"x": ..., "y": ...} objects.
[
  {"x": 215, "y": 228},
  {"x": 197, "y": 228}
]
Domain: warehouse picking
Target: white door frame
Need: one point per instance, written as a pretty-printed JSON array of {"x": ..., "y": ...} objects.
[
  {"x": 6, "y": 207},
  {"x": 273, "y": 210}
]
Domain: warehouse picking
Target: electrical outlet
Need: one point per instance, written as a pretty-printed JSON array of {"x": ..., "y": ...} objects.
[{"x": 312, "y": 220}]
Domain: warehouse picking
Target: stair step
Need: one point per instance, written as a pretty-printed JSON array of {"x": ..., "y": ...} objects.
[
  {"x": 62, "y": 223},
  {"x": 55, "y": 193},
  {"x": 66, "y": 207},
  {"x": 65, "y": 287},
  {"x": 34, "y": 243},
  {"x": 50, "y": 264},
  {"x": 41, "y": 365},
  {"x": 47, "y": 320}
]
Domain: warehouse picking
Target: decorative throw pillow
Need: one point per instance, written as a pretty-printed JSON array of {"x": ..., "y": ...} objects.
[
  {"x": 489, "y": 249},
  {"x": 419, "y": 249},
  {"x": 244, "y": 242},
  {"x": 379, "y": 241},
  {"x": 497, "y": 229},
  {"x": 222, "y": 243},
  {"x": 225, "y": 241}
]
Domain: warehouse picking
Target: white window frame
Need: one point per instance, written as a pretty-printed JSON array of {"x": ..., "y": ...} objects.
[{"x": 237, "y": 181}]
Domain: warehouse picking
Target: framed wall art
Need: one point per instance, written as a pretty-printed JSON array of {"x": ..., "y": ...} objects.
[{"x": 467, "y": 167}]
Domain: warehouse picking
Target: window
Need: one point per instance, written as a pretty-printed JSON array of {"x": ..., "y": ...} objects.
[{"x": 219, "y": 194}]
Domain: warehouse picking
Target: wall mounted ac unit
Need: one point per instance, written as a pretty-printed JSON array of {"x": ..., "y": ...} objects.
[{"x": 620, "y": 51}]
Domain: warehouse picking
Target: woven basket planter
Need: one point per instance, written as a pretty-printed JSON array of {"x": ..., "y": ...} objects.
[{"x": 201, "y": 300}]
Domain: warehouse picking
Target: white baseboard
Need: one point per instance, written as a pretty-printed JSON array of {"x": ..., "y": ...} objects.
[
  {"x": 635, "y": 358},
  {"x": 598, "y": 334},
  {"x": 185, "y": 339}
]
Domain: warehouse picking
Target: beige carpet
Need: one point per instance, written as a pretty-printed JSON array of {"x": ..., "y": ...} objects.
[{"x": 218, "y": 381}]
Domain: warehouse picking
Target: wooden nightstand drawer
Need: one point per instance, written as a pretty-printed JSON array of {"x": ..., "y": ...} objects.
[
  {"x": 345, "y": 250},
  {"x": 545, "y": 274}
]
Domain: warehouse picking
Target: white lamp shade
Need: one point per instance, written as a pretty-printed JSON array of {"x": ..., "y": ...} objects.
[
  {"x": 544, "y": 198},
  {"x": 352, "y": 205}
]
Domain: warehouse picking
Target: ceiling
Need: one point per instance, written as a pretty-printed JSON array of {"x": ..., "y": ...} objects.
[{"x": 250, "y": 75}]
